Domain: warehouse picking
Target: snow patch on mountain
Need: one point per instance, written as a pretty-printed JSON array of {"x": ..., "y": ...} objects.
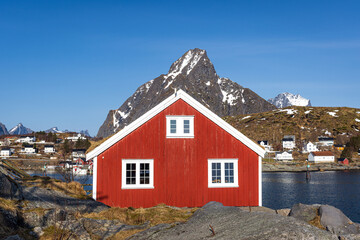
[
  {"x": 288, "y": 111},
  {"x": 189, "y": 61},
  {"x": 332, "y": 114},
  {"x": 53, "y": 130},
  {"x": 357, "y": 120},
  {"x": 288, "y": 99}
]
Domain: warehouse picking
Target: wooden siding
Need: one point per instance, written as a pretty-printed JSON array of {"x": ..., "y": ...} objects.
[{"x": 180, "y": 165}]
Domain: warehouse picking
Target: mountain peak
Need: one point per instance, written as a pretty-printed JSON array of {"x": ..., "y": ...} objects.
[
  {"x": 19, "y": 129},
  {"x": 287, "y": 99},
  {"x": 187, "y": 62},
  {"x": 194, "y": 73}
]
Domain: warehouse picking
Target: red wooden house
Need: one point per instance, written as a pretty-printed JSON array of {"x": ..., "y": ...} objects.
[{"x": 181, "y": 154}]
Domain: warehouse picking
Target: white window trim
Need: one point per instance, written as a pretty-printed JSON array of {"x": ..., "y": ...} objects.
[
  {"x": 180, "y": 126},
  {"x": 222, "y": 161},
  {"x": 137, "y": 185}
]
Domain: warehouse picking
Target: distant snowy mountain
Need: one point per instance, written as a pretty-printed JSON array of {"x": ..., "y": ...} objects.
[
  {"x": 53, "y": 130},
  {"x": 56, "y": 130},
  {"x": 20, "y": 130},
  {"x": 288, "y": 99},
  {"x": 3, "y": 130},
  {"x": 85, "y": 133}
]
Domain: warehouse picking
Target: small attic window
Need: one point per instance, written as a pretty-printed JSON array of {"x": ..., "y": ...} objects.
[{"x": 180, "y": 126}]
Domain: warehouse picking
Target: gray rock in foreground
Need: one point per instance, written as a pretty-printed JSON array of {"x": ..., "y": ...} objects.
[{"x": 234, "y": 223}]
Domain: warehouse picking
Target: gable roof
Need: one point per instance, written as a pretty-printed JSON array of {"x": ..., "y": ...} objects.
[
  {"x": 180, "y": 94},
  {"x": 322, "y": 153}
]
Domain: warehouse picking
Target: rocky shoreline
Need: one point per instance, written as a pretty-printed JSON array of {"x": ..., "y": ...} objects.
[
  {"x": 38, "y": 212},
  {"x": 300, "y": 167}
]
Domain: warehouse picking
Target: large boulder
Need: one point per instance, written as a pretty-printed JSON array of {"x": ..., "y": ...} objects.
[
  {"x": 234, "y": 223},
  {"x": 304, "y": 212},
  {"x": 336, "y": 221},
  {"x": 8, "y": 188}
]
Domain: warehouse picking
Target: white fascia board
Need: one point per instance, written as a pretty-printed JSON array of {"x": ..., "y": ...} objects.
[{"x": 164, "y": 104}]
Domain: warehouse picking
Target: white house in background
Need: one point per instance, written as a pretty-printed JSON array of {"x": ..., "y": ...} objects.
[
  {"x": 310, "y": 147},
  {"x": 284, "y": 156},
  {"x": 26, "y": 139},
  {"x": 359, "y": 152},
  {"x": 265, "y": 144},
  {"x": 5, "y": 152},
  {"x": 49, "y": 149},
  {"x": 76, "y": 137},
  {"x": 326, "y": 141},
  {"x": 29, "y": 149},
  {"x": 324, "y": 156},
  {"x": 78, "y": 153},
  {"x": 288, "y": 142}
]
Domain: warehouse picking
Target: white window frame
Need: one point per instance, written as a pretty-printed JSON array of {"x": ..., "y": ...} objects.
[
  {"x": 137, "y": 176},
  {"x": 222, "y": 161},
  {"x": 180, "y": 126}
]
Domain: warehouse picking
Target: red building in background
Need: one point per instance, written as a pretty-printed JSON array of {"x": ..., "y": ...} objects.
[{"x": 181, "y": 154}]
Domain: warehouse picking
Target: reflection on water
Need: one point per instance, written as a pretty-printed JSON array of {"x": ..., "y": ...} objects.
[{"x": 340, "y": 189}]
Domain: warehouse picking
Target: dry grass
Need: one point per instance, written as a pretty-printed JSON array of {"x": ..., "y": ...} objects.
[
  {"x": 156, "y": 215},
  {"x": 316, "y": 222},
  {"x": 8, "y": 204},
  {"x": 125, "y": 234},
  {"x": 73, "y": 189},
  {"x": 52, "y": 232},
  {"x": 94, "y": 144}
]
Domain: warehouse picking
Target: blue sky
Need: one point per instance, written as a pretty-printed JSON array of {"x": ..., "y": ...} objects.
[{"x": 67, "y": 63}]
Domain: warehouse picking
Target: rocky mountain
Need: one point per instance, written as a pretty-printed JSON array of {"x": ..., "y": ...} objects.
[
  {"x": 3, "y": 130},
  {"x": 56, "y": 130},
  {"x": 53, "y": 130},
  {"x": 20, "y": 130},
  {"x": 195, "y": 74},
  {"x": 288, "y": 99},
  {"x": 85, "y": 133}
]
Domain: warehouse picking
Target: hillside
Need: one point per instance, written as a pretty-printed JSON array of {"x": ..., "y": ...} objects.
[{"x": 306, "y": 123}]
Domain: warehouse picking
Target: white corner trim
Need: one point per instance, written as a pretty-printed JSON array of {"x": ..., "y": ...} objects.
[
  {"x": 94, "y": 178},
  {"x": 160, "y": 107},
  {"x": 260, "y": 181}
]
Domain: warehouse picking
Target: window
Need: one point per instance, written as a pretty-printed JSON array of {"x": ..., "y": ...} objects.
[
  {"x": 222, "y": 173},
  {"x": 179, "y": 126},
  {"x": 137, "y": 174}
]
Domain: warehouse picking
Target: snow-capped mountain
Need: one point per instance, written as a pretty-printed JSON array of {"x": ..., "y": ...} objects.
[
  {"x": 54, "y": 130},
  {"x": 288, "y": 99},
  {"x": 195, "y": 74},
  {"x": 20, "y": 130},
  {"x": 3, "y": 130}
]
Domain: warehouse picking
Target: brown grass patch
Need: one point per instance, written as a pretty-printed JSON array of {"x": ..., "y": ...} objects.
[
  {"x": 125, "y": 234},
  {"x": 8, "y": 204},
  {"x": 94, "y": 144},
  {"x": 53, "y": 232},
  {"x": 73, "y": 189},
  {"x": 156, "y": 215},
  {"x": 316, "y": 222}
]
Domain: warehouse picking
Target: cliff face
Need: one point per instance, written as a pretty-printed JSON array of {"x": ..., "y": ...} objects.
[
  {"x": 195, "y": 74},
  {"x": 3, "y": 130}
]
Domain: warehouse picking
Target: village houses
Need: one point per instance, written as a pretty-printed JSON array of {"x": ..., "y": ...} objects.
[{"x": 284, "y": 156}]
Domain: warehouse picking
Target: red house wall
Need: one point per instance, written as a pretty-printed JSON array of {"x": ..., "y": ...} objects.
[{"x": 180, "y": 165}]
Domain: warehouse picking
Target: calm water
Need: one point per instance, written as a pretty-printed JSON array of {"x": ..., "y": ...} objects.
[
  {"x": 339, "y": 188},
  {"x": 282, "y": 190}
]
